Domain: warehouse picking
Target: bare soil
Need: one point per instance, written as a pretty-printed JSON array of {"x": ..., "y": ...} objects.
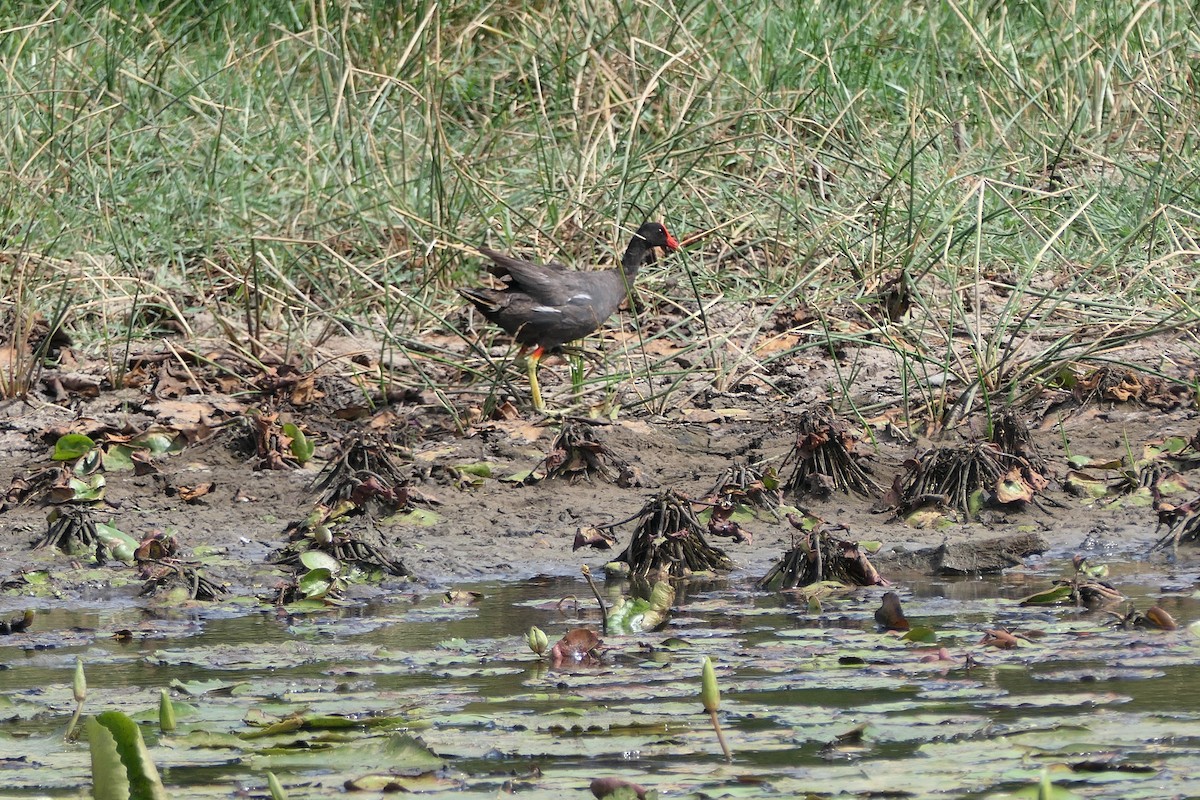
[{"x": 490, "y": 528}]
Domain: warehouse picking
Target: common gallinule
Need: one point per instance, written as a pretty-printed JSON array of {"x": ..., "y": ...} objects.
[{"x": 544, "y": 306}]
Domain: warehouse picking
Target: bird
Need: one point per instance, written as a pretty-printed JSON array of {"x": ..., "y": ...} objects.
[{"x": 544, "y": 306}]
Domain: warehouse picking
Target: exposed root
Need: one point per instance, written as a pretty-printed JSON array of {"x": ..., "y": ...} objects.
[
  {"x": 825, "y": 459},
  {"x": 965, "y": 477},
  {"x": 670, "y": 538},
  {"x": 324, "y": 530},
  {"x": 577, "y": 453},
  {"x": 749, "y": 487},
  {"x": 1183, "y": 522},
  {"x": 1011, "y": 435},
  {"x": 820, "y": 556},
  {"x": 72, "y": 530},
  {"x": 362, "y": 470},
  {"x": 163, "y": 576}
]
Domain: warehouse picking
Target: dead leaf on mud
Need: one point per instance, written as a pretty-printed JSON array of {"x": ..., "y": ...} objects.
[
  {"x": 518, "y": 430},
  {"x": 776, "y": 344},
  {"x": 588, "y": 536},
  {"x": 192, "y": 417},
  {"x": 190, "y": 494}
]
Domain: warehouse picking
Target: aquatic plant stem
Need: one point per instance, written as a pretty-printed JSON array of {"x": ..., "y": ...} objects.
[
  {"x": 710, "y": 698},
  {"x": 587, "y": 574},
  {"x": 79, "y": 691},
  {"x": 716, "y": 723}
]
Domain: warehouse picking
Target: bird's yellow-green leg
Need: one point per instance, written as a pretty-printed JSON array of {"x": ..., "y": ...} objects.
[{"x": 531, "y": 364}]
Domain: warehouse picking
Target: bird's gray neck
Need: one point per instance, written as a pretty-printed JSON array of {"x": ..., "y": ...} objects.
[{"x": 637, "y": 254}]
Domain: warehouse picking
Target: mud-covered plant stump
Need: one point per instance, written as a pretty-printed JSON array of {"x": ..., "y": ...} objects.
[
  {"x": 748, "y": 486},
  {"x": 965, "y": 477},
  {"x": 72, "y": 529},
  {"x": 1011, "y": 435},
  {"x": 362, "y": 470},
  {"x": 669, "y": 538},
  {"x": 1182, "y": 521},
  {"x": 825, "y": 459},
  {"x": 577, "y": 452},
  {"x": 818, "y": 555},
  {"x": 328, "y": 530},
  {"x": 168, "y": 575}
]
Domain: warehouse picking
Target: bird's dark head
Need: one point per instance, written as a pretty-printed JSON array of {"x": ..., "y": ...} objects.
[{"x": 657, "y": 235}]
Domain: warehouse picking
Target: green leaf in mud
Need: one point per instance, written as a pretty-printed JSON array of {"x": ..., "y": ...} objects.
[
  {"x": 425, "y": 782},
  {"x": 158, "y": 441},
  {"x": 397, "y": 751},
  {"x": 302, "y": 447},
  {"x": 636, "y": 615},
  {"x": 80, "y": 490},
  {"x": 921, "y": 634},
  {"x": 924, "y": 517},
  {"x": 1085, "y": 485},
  {"x": 480, "y": 469},
  {"x": 117, "y": 458},
  {"x": 975, "y": 502},
  {"x": 71, "y": 446},
  {"x": 316, "y": 583},
  {"x": 422, "y": 517}
]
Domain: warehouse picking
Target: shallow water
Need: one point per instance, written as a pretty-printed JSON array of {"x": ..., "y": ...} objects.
[{"x": 1111, "y": 712}]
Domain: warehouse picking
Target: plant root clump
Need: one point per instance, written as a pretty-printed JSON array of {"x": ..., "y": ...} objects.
[
  {"x": 72, "y": 530},
  {"x": 1011, "y": 435},
  {"x": 324, "y": 530},
  {"x": 744, "y": 486},
  {"x": 825, "y": 458},
  {"x": 362, "y": 470},
  {"x": 168, "y": 575},
  {"x": 819, "y": 555},
  {"x": 1183, "y": 522},
  {"x": 51, "y": 483},
  {"x": 669, "y": 538},
  {"x": 964, "y": 477},
  {"x": 577, "y": 453}
]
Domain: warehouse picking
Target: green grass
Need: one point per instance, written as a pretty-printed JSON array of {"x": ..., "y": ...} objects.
[{"x": 290, "y": 166}]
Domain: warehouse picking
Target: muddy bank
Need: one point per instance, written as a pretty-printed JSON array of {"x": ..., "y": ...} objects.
[{"x": 495, "y": 528}]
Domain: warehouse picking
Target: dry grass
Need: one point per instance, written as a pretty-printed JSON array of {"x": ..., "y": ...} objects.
[{"x": 1026, "y": 175}]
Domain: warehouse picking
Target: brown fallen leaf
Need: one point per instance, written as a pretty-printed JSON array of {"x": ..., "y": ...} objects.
[
  {"x": 190, "y": 494},
  {"x": 587, "y": 536},
  {"x": 998, "y": 638}
]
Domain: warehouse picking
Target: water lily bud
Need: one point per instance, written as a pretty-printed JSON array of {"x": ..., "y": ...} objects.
[
  {"x": 537, "y": 640},
  {"x": 166, "y": 712},
  {"x": 79, "y": 687},
  {"x": 710, "y": 695}
]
